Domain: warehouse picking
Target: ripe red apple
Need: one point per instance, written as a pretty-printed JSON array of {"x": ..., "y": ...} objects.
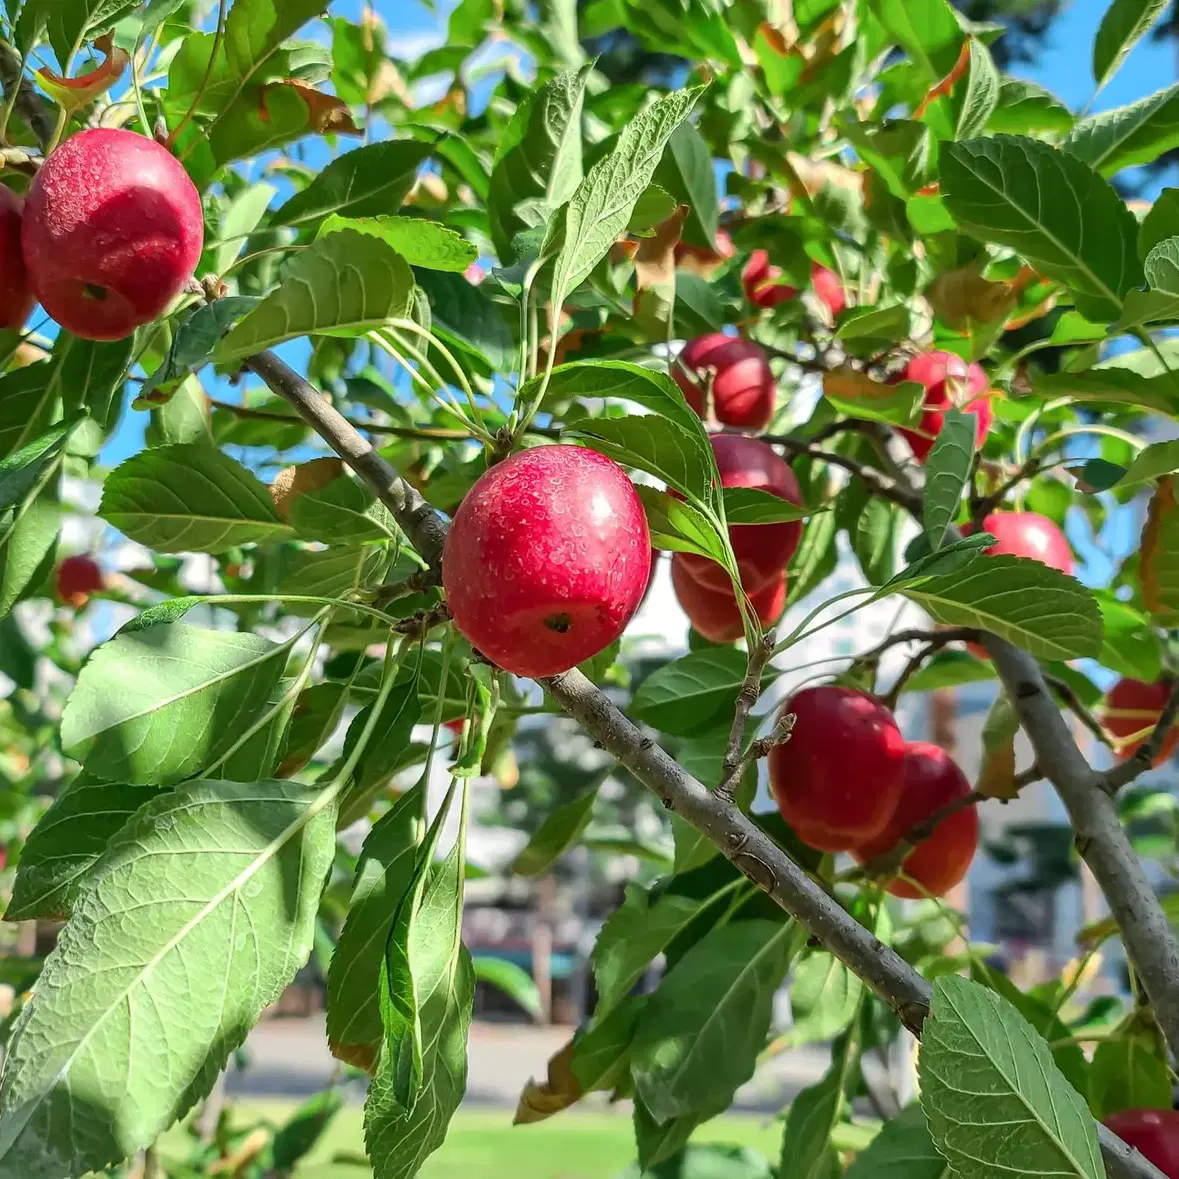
[
  {"x": 738, "y": 373},
  {"x": 763, "y": 284},
  {"x": 1154, "y": 1133},
  {"x": 1027, "y": 534},
  {"x": 715, "y": 613},
  {"x": 16, "y": 297},
  {"x": 77, "y": 578},
  {"x": 829, "y": 288},
  {"x": 112, "y": 232},
  {"x": 948, "y": 381},
  {"x": 838, "y": 780},
  {"x": 932, "y": 780},
  {"x": 1131, "y": 711},
  {"x": 762, "y": 550},
  {"x": 547, "y": 559},
  {"x": 702, "y": 260}
]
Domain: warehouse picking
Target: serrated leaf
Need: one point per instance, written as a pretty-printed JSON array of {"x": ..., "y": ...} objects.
[
  {"x": 1130, "y": 1073},
  {"x": 538, "y": 163},
  {"x": 67, "y": 842},
  {"x": 1026, "y": 107},
  {"x": 598, "y": 211},
  {"x": 341, "y": 285},
  {"x": 157, "y": 705},
  {"x": 368, "y": 182},
  {"x": 691, "y": 694},
  {"x": 1159, "y": 554},
  {"x": 1151, "y": 463},
  {"x": 824, "y": 999},
  {"x": 67, "y": 24},
  {"x": 927, "y": 30},
  {"x": 975, "y": 102},
  {"x": 420, "y": 242},
  {"x": 344, "y": 511},
  {"x": 902, "y": 1150},
  {"x": 677, "y": 527},
  {"x": 861, "y": 396},
  {"x": 947, "y": 470},
  {"x": 207, "y": 899},
  {"x": 383, "y": 875},
  {"x": 189, "y": 497},
  {"x": 1023, "y": 601},
  {"x": 1162, "y": 266},
  {"x": 1129, "y": 645},
  {"x": 20, "y": 472},
  {"x": 1128, "y": 135},
  {"x": 1125, "y": 23},
  {"x": 751, "y": 505},
  {"x": 193, "y": 342},
  {"x": 1045, "y": 204},
  {"x": 1115, "y": 386},
  {"x": 639, "y": 930},
  {"x": 705, "y": 1025},
  {"x": 982, "y": 1065},
  {"x": 560, "y": 831}
]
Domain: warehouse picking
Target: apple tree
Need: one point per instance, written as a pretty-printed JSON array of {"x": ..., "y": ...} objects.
[{"x": 402, "y": 376}]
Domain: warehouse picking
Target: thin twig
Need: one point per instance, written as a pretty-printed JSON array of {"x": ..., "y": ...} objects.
[
  {"x": 1144, "y": 756},
  {"x": 32, "y": 108},
  {"x": 1074, "y": 704},
  {"x": 932, "y": 638},
  {"x": 1026, "y": 777},
  {"x": 747, "y": 697},
  {"x": 983, "y": 506},
  {"x": 218, "y": 38},
  {"x": 889, "y": 863},
  {"x": 778, "y": 735}
]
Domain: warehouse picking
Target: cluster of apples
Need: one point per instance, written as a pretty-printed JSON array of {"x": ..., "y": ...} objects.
[
  {"x": 108, "y": 235},
  {"x": 847, "y": 781}
]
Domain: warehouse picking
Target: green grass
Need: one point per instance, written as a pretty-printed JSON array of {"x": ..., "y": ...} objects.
[{"x": 485, "y": 1145}]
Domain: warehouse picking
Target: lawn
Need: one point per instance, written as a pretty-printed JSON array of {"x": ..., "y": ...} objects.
[{"x": 484, "y": 1144}]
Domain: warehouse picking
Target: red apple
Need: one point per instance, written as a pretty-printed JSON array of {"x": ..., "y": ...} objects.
[
  {"x": 762, "y": 550},
  {"x": 1154, "y": 1133},
  {"x": 838, "y": 780},
  {"x": 948, "y": 381},
  {"x": 763, "y": 284},
  {"x": 932, "y": 780},
  {"x": 702, "y": 260},
  {"x": 1131, "y": 711},
  {"x": 738, "y": 373},
  {"x": 112, "y": 232},
  {"x": 1027, "y": 534},
  {"x": 714, "y": 613},
  {"x": 829, "y": 288},
  {"x": 16, "y": 297},
  {"x": 547, "y": 559},
  {"x": 77, "y": 578}
]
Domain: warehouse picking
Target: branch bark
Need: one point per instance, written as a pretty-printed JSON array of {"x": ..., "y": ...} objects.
[{"x": 905, "y": 991}]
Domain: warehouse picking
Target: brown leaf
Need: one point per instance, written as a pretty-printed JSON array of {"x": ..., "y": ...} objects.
[
  {"x": 1159, "y": 555},
  {"x": 655, "y": 274},
  {"x": 946, "y": 85},
  {"x": 325, "y": 112},
  {"x": 72, "y": 93},
  {"x": 962, "y": 296},
  {"x": 560, "y": 1090},
  {"x": 291, "y": 482},
  {"x": 996, "y": 775},
  {"x": 850, "y": 384}
]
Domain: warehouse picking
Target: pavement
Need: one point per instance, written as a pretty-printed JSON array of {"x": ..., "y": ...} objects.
[{"x": 288, "y": 1057}]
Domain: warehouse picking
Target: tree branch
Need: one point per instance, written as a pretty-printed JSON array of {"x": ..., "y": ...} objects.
[
  {"x": 734, "y": 764},
  {"x": 754, "y": 854},
  {"x": 1064, "y": 691},
  {"x": 1144, "y": 756}
]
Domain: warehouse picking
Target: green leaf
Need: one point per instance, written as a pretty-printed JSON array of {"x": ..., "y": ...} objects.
[
  {"x": 691, "y": 694},
  {"x": 1128, "y": 135},
  {"x": 21, "y": 471},
  {"x": 946, "y": 472},
  {"x": 335, "y": 572},
  {"x": 751, "y": 505},
  {"x": 368, "y": 182},
  {"x": 710, "y": 1160},
  {"x": 1161, "y": 222},
  {"x": 635, "y": 934},
  {"x": 814, "y": 1113},
  {"x": 1162, "y": 266},
  {"x": 389, "y": 740},
  {"x": 581, "y": 235},
  {"x": 659, "y": 1142},
  {"x": 344, "y": 511},
  {"x": 342, "y": 285},
  {"x": 927, "y": 30},
  {"x": 68, "y": 24},
  {"x": 189, "y": 498},
  {"x": 239, "y": 220},
  {"x": 677, "y": 527},
  {"x": 687, "y": 173},
  {"x": 28, "y": 545},
  {"x": 194, "y": 340},
  {"x": 560, "y": 831},
  {"x": 514, "y": 981},
  {"x": 1114, "y": 386},
  {"x": 1151, "y": 463},
  {"x": 1025, "y": 108},
  {"x": 1128, "y": 1074},
  {"x": 538, "y": 162},
  {"x": 420, "y": 242},
  {"x": 305, "y": 1128},
  {"x": 1125, "y": 23},
  {"x": 1130, "y": 646},
  {"x": 467, "y": 316},
  {"x": 383, "y": 876},
  {"x": 982, "y": 1066},
  {"x": 204, "y": 906},
  {"x": 949, "y": 669},
  {"x": 157, "y": 705},
  {"x": 1023, "y": 601},
  {"x": 1046, "y": 204},
  {"x": 824, "y": 999},
  {"x": 815, "y": 558},
  {"x": 902, "y": 1150},
  {"x": 66, "y": 843},
  {"x": 705, "y": 1025},
  {"x": 975, "y": 102}
]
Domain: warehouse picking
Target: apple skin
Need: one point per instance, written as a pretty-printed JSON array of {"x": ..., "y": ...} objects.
[
  {"x": 932, "y": 780},
  {"x": 828, "y": 288},
  {"x": 1154, "y": 1133},
  {"x": 838, "y": 780},
  {"x": 934, "y": 370},
  {"x": 1143, "y": 704},
  {"x": 16, "y": 296},
  {"x": 714, "y": 613},
  {"x": 763, "y": 283},
  {"x": 762, "y": 550},
  {"x": 742, "y": 386},
  {"x": 77, "y": 578},
  {"x": 547, "y": 559},
  {"x": 1027, "y": 534},
  {"x": 112, "y": 232}
]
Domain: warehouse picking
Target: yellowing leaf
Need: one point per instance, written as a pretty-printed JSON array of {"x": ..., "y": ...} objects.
[
  {"x": 326, "y": 112},
  {"x": 71, "y": 93},
  {"x": 1160, "y": 555}
]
